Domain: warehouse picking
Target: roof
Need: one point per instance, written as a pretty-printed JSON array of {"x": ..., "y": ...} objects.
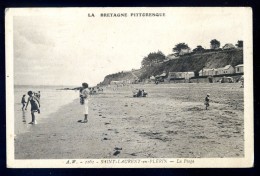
[
  {"x": 229, "y": 45},
  {"x": 208, "y": 69},
  {"x": 164, "y": 74},
  {"x": 240, "y": 65},
  {"x": 227, "y": 66}
]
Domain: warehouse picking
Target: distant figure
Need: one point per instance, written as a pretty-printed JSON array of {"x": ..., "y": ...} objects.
[
  {"x": 156, "y": 82},
  {"x": 92, "y": 91},
  {"x": 35, "y": 106},
  {"x": 23, "y": 102},
  {"x": 207, "y": 101},
  {"x": 143, "y": 94},
  {"x": 81, "y": 97},
  {"x": 242, "y": 84},
  {"x": 38, "y": 95},
  {"x": 139, "y": 93},
  {"x": 84, "y": 93},
  {"x": 100, "y": 89}
]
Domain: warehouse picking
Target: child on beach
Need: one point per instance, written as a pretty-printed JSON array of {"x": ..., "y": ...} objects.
[
  {"x": 38, "y": 95},
  {"x": 84, "y": 93},
  {"x": 35, "y": 106},
  {"x": 23, "y": 102},
  {"x": 207, "y": 101}
]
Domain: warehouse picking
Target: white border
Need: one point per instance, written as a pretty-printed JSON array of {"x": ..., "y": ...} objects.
[{"x": 247, "y": 161}]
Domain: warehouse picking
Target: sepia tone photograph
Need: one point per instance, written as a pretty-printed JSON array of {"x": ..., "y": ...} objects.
[{"x": 129, "y": 87}]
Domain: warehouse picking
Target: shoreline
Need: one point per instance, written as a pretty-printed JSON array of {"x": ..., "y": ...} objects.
[{"x": 166, "y": 127}]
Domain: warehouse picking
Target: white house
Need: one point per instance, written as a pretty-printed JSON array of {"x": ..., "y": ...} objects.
[
  {"x": 152, "y": 78},
  {"x": 184, "y": 51},
  {"x": 172, "y": 56},
  {"x": 228, "y": 69},
  {"x": 208, "y": 72},
  {"x": 116, "y": 82},
  {"x": 175, "y": 75},
  {"x": 185, "y": 75},
  {"x": 228, "y": 46},
  {"x": 188, "y": 75},
  {"x": 239, "y": 68}
]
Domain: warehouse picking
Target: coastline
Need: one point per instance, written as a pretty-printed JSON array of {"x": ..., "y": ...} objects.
[{"x": 120, "y": 126}]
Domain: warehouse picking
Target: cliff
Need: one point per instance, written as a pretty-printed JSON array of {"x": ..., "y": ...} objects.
[{"x": 192, "y": 62}]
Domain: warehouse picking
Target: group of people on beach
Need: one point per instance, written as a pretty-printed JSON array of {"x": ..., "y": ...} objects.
[
  {"x": 34, "y": 99},
  {"x": 140, "y": 93}
]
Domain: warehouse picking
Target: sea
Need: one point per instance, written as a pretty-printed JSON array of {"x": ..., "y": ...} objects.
[{"x": 52, "y": 98}]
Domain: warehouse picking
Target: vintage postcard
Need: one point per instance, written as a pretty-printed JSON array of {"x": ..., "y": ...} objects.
[{"x": 129, "y": 87}]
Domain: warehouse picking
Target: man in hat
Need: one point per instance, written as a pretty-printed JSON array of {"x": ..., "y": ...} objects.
[
  {"x": 84, "y": 101},
  {"x": 207, "y": 101}
]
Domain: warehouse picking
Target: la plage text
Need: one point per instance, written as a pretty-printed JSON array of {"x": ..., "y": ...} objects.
[{"x": 126, "y": 15}]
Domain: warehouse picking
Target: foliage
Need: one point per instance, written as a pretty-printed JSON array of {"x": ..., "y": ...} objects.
[
  {"x": 214, "y": 44},
  {"x": 239, "y": 43},
  {"x": 153, "y": 58},
  {"x": 198, "y": 49},
  {"x": 179, "y": 47}
]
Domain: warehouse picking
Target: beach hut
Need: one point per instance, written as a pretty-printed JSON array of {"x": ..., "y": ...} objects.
[
  {"x": 163, "y": 75},
  {"x": 239, "y": 68},
  {"x": 188, "y": 75},
  {"x": 172, "y": 75},
  {"x": 152, "y": 78},
  {"x": 207, "y": 72},
  {"x": 228, "y": 69}
]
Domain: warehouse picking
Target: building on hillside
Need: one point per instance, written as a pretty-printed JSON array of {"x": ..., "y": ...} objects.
[
  {"x": 184, "y": 51},
  {"x": 239, "y": 68},
  {"x": 228, "y": 69},
  {"x": 161, "y": 77},
  {"x": 171, "y": 75},
  {"x": 178, "y": 75},
  {"x": 188, "y": 75},
  {"x": 171, "y": 56},
  {"x": 152, "y": 78},
  {"x": 116, "y": 82},
  {"x": 208, "y": 72},
  {"x": 174, "y": 75},
  {"x": 228, "y": 46}
]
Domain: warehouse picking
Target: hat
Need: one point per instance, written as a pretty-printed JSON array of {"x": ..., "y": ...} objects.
[
  {"x": 29, "y": 92},
  {"x": 208, "y": 94},
  {"x": 85, "y": 85}
]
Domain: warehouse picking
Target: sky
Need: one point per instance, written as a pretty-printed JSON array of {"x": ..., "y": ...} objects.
[{"x": 69, "y": 47}]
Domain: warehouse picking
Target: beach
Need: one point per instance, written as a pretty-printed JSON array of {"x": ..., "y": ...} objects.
[{"x": 171, "y": 122}]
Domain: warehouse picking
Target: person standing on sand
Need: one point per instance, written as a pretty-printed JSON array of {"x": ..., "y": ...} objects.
[
  {"x": 84, "y": 93},
  {"x": 35, "y": 106},
  {"x": 23, "y": 102},
  {"x": 38, "y": 95},
  {"x": 207, "y": 101}
]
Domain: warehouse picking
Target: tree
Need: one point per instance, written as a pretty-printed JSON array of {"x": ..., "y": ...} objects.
[
  {"x": 214, "y": 44},
  {"x": 239, "y": 44},
  {"x": 152, "y": 58},
  {"x": 179, "y": 47},
  {"x": 198, "y": 49}
]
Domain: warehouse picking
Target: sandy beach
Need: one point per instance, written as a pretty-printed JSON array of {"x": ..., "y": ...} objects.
[{"x": 171, "y": 122}]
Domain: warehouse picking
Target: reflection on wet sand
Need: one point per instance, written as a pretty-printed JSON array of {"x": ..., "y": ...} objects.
[{"x": 24, "y": 117}]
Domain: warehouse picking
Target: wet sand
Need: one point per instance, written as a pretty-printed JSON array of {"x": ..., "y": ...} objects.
[{"x": 170, "y": 123}]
